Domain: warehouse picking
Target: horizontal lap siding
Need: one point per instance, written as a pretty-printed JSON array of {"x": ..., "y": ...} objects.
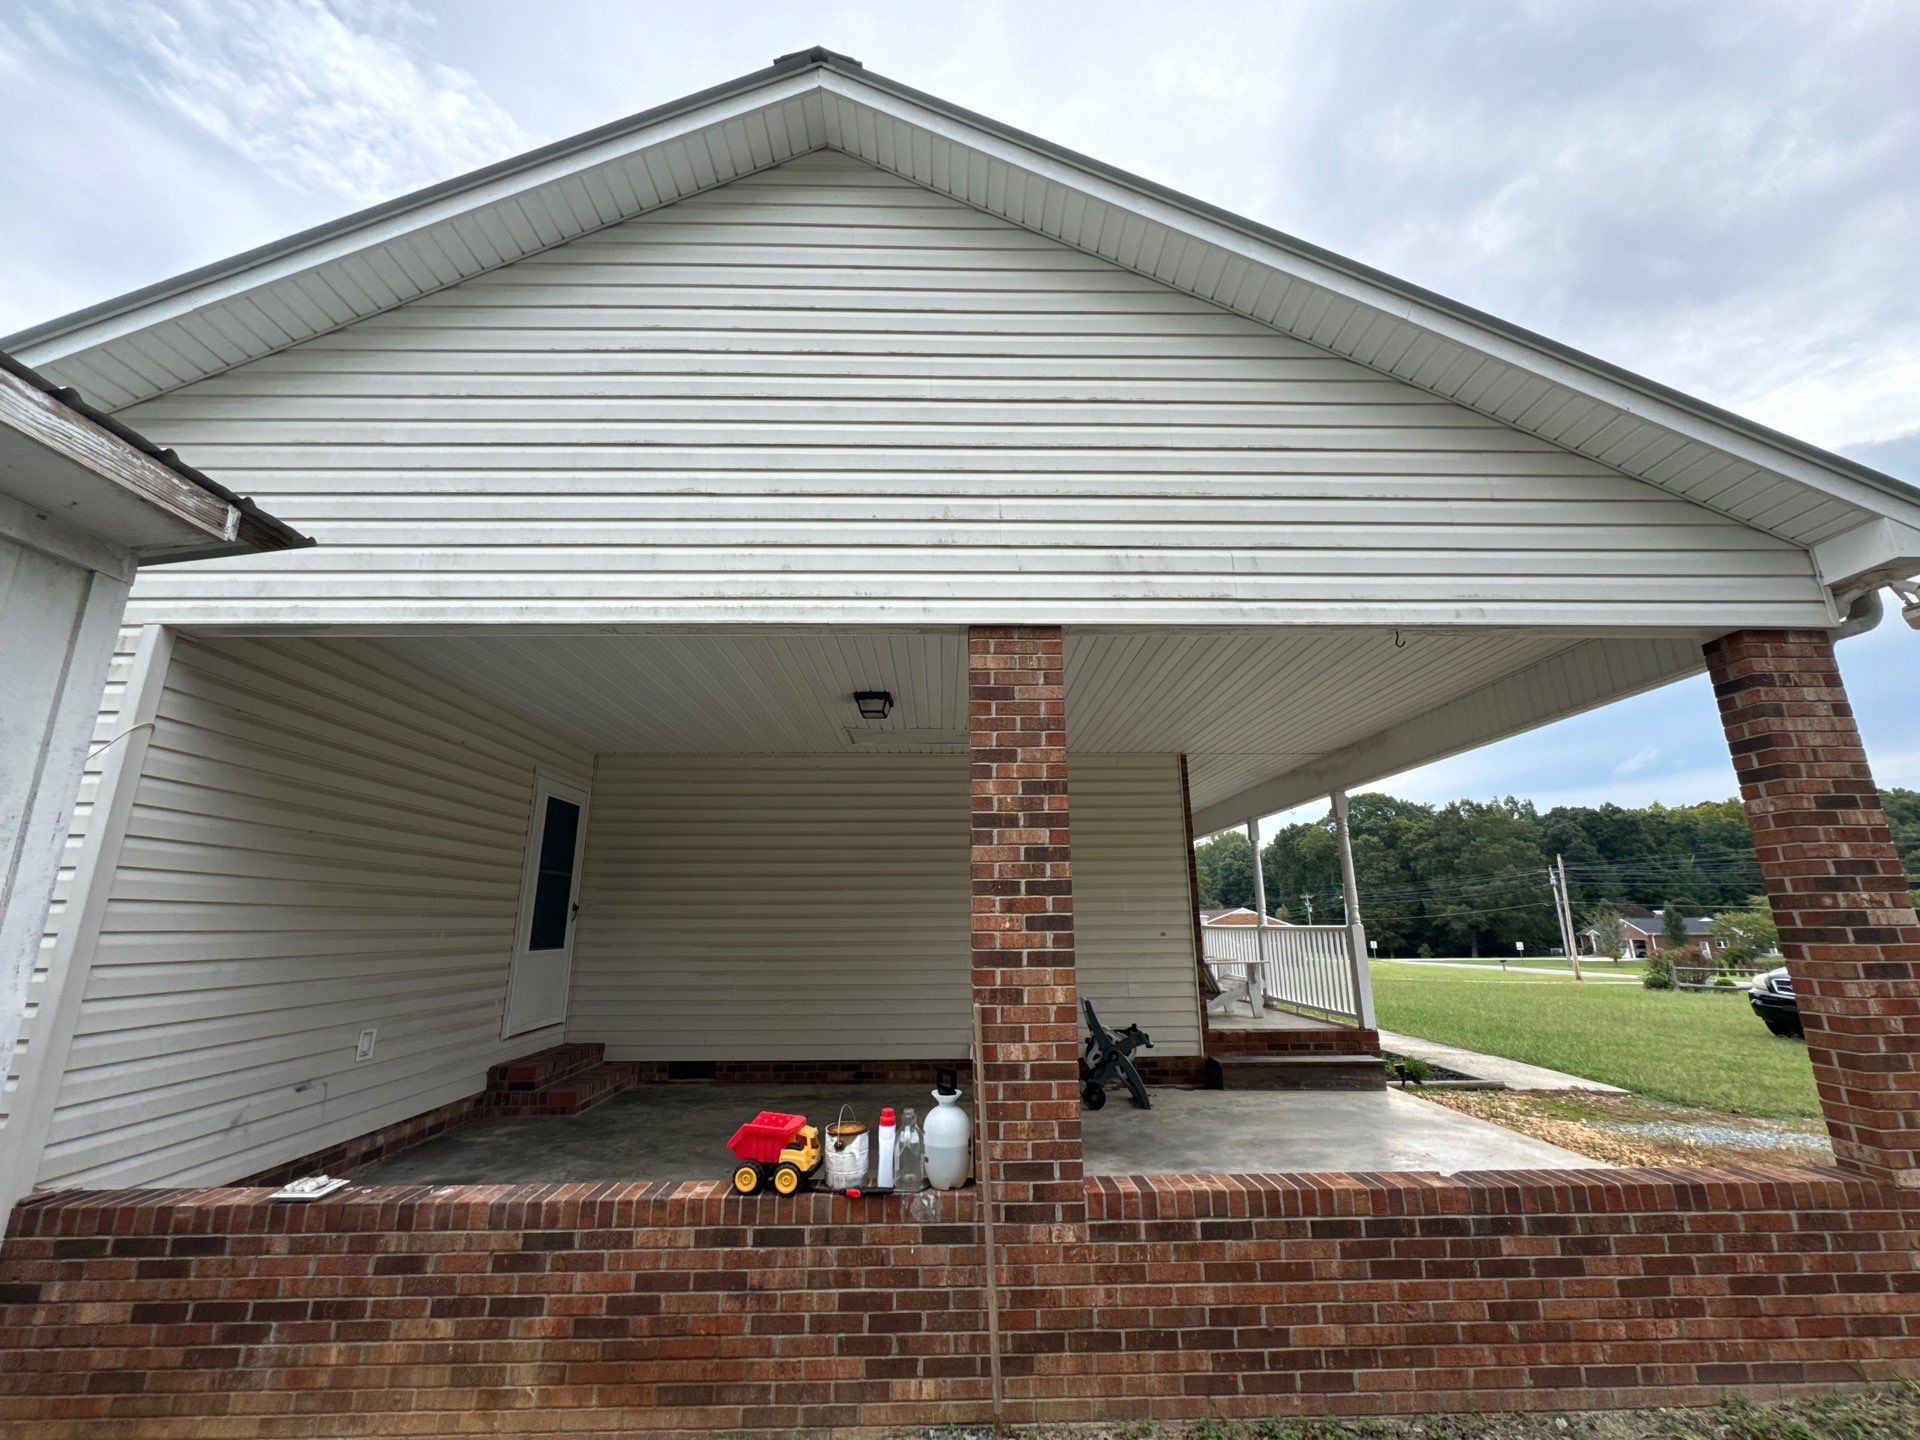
[
  {"x": 822, "y": 393},
  {"x": 1133, "y": 917},
  {"x": 815, "y": 907},
  {"x": 324, "y": 838}
]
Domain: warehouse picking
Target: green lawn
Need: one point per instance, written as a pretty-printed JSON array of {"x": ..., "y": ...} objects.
[
  {"x": 1697, "y": 1049},
  {"x": 1588, "y": 965}
]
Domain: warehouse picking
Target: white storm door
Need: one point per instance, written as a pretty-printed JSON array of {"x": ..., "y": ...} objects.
[{"x": 549, "y": 901}]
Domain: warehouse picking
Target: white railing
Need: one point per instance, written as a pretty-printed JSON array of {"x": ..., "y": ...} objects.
[{"x": 1307, "y": 967}]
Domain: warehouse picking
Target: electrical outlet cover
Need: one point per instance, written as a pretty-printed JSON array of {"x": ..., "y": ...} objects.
[{"x": 364, "y": 1051}]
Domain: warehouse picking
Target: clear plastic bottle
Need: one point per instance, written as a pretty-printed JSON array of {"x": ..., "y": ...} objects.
[{"x": 910, "y": 1161}]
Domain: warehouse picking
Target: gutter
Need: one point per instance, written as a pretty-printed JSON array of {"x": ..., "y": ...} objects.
[{"x": 249, "y": 528}]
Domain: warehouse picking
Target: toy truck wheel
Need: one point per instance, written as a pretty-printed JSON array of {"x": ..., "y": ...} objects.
[
  {"x": 746, "y": 1179},
  {"x": 786, "y": 1180}
]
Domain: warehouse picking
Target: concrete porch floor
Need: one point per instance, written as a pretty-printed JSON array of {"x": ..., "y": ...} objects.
[
  {"x": 680, "y": 1132},
  {"x": 1238, "y": 1017}
]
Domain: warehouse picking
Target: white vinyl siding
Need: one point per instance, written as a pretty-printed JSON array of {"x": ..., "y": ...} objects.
[
  {"x": 1132, "y": 905},
  {"x": 324, "y": 838},
  {"x": 815, "y": 907},
  {"x": 823, "y": 393}
]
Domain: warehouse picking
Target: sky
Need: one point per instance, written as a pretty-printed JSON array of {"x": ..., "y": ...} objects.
[{"x": 1722, "y": 197}]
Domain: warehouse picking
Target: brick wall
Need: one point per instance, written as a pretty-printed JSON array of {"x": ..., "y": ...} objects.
[
  {"x": 1022, "y": 890},
  {"x": 616, "y": 1309},
  {"x": 1847, "y": 924},
  {"x": 1343, "y": 1040}
]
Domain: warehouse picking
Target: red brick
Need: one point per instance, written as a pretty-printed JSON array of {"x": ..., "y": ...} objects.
[{"x": 1847, "y": 924}]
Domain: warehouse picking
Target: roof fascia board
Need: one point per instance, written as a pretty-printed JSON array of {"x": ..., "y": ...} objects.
[
  {"x": 395, "y": 219},
  {"x": 1583, "y": 676},
  {"x": 1868, "y": 555},
  {"x": 1608, "y": 384},
  {"x": 40, "y": 418}
]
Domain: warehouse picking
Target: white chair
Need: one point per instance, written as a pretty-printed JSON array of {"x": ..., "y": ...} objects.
[{"x": 1239, "y": 982}]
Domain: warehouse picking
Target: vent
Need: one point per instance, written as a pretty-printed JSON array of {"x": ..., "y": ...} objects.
[{"x": 904, "y": 739}]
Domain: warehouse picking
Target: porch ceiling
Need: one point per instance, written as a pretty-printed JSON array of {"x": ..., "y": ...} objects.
[{"x": 1248, "y": 707}]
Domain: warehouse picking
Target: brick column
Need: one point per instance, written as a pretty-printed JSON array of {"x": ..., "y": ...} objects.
[
  {"x": 1846, "y": 918},
  {"x": 1023, "y": 923}
]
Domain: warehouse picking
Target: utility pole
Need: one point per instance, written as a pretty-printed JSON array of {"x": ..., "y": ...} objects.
[
  {"x": 1566, "y": 918},
  {"x": 1562, "y": 914},
  {"x": 1308, "y": 901}
]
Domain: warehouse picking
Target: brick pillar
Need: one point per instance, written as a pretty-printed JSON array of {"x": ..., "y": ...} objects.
[
  {"x": 1846, "y": 917},
  {"x": 1023, "y": 923}
]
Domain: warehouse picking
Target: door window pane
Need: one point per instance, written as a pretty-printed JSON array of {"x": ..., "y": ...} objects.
[{"x": 553, "y": 885}]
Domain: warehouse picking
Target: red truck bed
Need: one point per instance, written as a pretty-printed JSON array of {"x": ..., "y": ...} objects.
[{"x": 762, "y": 1138}]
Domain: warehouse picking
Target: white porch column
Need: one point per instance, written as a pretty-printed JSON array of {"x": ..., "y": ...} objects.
[
  {"x": 1260, "y": 906},
  {"x": 1356, "y": 932},
  {"x": 41, "y": 1064}
]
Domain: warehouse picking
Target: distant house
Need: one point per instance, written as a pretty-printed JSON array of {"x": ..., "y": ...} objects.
[
  {"x": 1238, "y": 915},
  {"x": 1645, "y": 934}
]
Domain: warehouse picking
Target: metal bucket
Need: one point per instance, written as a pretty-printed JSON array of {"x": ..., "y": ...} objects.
[{"x": 847, "y": 1143}]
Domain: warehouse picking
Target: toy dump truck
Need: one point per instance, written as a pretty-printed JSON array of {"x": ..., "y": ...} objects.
[{"x": 780, "y": 1150}]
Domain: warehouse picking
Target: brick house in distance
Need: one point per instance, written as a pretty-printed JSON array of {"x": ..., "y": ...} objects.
[
  {"x": 642, "y": 467},
  {"x": 1645, "y": 935}
]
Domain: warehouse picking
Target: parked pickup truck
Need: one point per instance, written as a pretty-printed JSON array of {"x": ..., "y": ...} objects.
[{"x": 1772, "y": 999}]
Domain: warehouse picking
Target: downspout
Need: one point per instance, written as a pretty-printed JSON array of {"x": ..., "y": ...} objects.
[{"x": 1864, "y": 614}]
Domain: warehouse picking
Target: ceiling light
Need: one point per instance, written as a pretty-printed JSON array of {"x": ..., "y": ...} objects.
[{"x": 874, "y": 704}]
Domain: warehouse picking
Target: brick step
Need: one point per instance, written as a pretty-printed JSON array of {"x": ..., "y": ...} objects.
[
  {"x": 1297, "y": 1072},
  {"x": 569, "y": 1095},
  {"x": 543, "y": 1068}
]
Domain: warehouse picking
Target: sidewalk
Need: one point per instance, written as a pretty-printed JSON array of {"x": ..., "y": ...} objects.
[
  {"x": 1514, "y": 1074},
  {"x": 1490, "y": 969}
]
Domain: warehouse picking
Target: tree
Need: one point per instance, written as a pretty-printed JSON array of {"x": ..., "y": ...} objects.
[
  {"x": 1746, "y": 933},
  {"x": 1225, "y": 871},
  {"x": 1609, "y": 930},
  {"x": 1903, "y": 814},
  {"x": 1673, "y": 926},
  {"x": 1485, "y": 878}
]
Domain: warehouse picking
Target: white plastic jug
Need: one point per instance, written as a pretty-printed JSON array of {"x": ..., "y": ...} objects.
[{"x": 949, "y": 1136}]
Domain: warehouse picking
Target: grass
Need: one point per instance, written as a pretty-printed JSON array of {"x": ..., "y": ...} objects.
[
  {"x": 1588, "y": 965},
  {"x": 1693, "y": 1048}
]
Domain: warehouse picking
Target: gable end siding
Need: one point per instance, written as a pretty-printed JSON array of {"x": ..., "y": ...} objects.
[{"x": 823, "y": 393}]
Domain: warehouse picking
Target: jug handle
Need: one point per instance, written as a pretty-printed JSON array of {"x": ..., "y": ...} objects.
[{"x": 947, "y": 1081}]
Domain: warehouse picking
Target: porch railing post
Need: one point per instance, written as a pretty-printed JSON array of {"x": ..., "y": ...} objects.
[
  {"x": 1267, "y": 977},
  {"x": 1356, "y": 931}
]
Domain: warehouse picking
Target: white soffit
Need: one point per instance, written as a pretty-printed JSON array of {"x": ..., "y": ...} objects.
[
  {"x": 267, "y": 300},
  {"x": 1243, "y": 705}
]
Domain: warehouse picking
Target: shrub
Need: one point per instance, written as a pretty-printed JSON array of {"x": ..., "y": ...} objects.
[
  {"x": 1410, "y": 1070},
  {"x": 1659, "y": 972}
]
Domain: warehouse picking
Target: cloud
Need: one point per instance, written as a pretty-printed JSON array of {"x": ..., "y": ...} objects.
[
  {"x": 1637, "y": 761},
  {"x": 1713, "y": 197},
  {"x": 333, "y": 97}
]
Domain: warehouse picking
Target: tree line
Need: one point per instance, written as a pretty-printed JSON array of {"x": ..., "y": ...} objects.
[{"x": 1471, "y": 877}]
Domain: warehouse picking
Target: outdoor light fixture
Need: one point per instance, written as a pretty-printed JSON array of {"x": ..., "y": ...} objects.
[
  {"x": 1909, "y": 594},
  {"x": 874, "y": 704}
]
